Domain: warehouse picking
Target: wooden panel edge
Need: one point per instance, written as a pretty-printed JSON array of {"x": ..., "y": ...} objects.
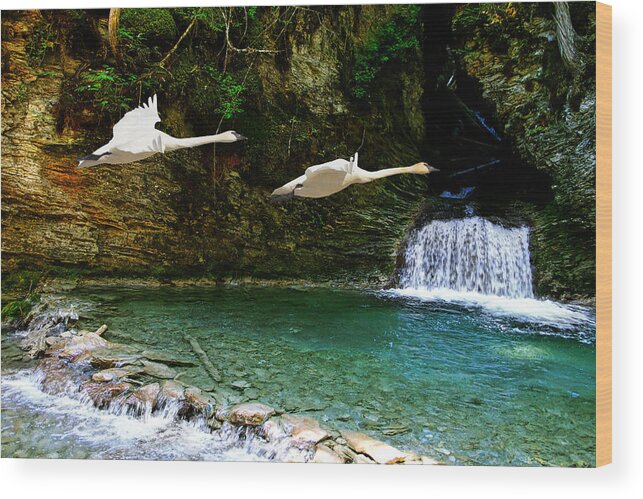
[{"x": 603, "y": 234}]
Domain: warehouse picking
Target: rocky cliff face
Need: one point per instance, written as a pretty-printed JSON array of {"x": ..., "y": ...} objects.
[
  {"x": 303, "y": 84},
  {"x": 187, "y": 212}
]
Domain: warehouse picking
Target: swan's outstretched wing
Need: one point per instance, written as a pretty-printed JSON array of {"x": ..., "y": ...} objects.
[
  {"x": 322, "y": 183},
  {"x": 137, "y": 124},
  {"x": 340, "y": 165}
]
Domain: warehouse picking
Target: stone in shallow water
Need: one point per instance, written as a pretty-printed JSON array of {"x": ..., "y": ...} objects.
[
  {"x": 143, "y": 399},
  {"x": 102, "y": 394},
  {"x": 158, "y": 370},
  {"x": 114, "y": 357},
  {"x": 240, "y": 384},
  {"x": 171, "y": 390},
  {"x": 56, "y": 375},
  {"x": 305, "y": 431},
  {"x": 35, "y": 343},
  {"x": 348, "y": 454},
  {"x": 166, "y": 358},
  {"x": 379, "y": 451},
  {"x": 250, "y": 414},
  {"x": 325, "y": 455},
  {"x": 200, "y": 403},
  {"x": 73, "y": 347},
  {"x": 116, "y": 373},
  {"x": 412, "y": 458}
]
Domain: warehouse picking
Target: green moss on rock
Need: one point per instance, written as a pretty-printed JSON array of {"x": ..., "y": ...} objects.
[{"x": 153, "y": 26}]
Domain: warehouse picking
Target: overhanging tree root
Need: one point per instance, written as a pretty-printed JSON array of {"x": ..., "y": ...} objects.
[
  {"x": 112, "y": 26},
  {"x": 205, "y": 360}
]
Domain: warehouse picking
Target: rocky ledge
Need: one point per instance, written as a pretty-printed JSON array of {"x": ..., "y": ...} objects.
[{"x": 139, "y": 382}]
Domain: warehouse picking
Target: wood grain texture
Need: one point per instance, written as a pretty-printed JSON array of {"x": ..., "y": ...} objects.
[{"x": 603, "y": 234}]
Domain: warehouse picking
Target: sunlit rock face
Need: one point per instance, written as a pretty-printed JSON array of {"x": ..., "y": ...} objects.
[{"x": 185, "y": 212}]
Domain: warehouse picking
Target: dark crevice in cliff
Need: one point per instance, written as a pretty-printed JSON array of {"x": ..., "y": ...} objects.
[{"x": 464, "y": 135}]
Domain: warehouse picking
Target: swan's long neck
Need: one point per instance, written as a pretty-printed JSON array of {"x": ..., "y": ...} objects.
[
  {"x": 387, "y": 172},
  {"x": 178, "y": 143}
]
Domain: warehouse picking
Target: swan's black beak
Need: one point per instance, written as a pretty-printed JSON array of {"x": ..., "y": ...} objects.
[
  {"x": 238, "y": 136},
  {"x": 433, "y": 169}
]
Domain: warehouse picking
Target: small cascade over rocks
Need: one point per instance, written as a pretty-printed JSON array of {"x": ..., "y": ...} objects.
[{"x": 469, "y": 255}]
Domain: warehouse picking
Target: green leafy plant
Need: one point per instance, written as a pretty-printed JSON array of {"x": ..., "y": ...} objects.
[
  {"x": 19, "y": 309},
  {"x": 38, "y": 43},
  {"x": 392, "y": 42},
  {"x": 228, "y": 92},
  {"x": 107, "y": 89}
]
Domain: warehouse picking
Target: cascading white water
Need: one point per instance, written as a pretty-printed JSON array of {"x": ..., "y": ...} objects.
[{"x": 469, "y": 255}]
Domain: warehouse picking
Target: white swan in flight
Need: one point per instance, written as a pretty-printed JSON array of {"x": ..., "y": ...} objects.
[
  {"x": 328, "y": 178},
  {"x": 135, "y": 138}
]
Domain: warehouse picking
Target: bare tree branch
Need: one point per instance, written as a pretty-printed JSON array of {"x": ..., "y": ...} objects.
[
  {"x": 178, "y": 42},
  {"x": 248, "y": 50}
]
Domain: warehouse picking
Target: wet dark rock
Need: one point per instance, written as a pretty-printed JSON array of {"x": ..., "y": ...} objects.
[
  {"x": 35, "y": 343},
  {"x": 143, "y": 400},
  {"x": 199, "y": 402},
  {"x": 102, "y": 394},
  {"x": 57, "y": 376}
]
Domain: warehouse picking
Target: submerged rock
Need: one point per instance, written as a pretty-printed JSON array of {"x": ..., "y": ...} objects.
[
  {"x": 250, "y": 414},
  {"x": 158, "y": 370},
  {"x": 380, "y": 452},
  {"x": 167, "y": 358},
  {"x": 240, "y": 384}
]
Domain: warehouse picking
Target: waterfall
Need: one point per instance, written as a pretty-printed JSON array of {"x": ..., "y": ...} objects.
[{"x": 469, "y": 255}]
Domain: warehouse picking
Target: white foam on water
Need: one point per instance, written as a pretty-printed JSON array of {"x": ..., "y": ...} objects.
[
  {"x": 107, "y": 434},
  {"x": 526, "y": 309}
]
